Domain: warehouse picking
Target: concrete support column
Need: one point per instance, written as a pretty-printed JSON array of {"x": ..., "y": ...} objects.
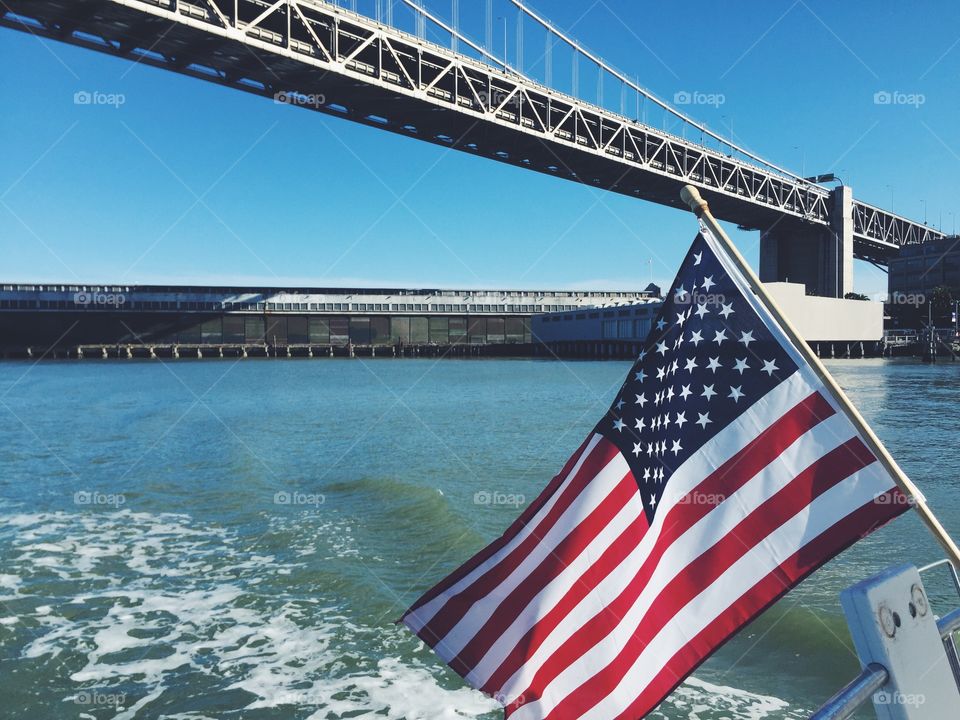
[
  {"x": 841, "y": 257},
  {"x": 819, "y": 257}
]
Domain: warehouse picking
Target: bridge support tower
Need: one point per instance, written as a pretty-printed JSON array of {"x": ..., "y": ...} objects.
[{"x": 819, "y": 257}]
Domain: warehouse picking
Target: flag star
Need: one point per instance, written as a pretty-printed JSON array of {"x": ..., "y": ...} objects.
[
  {"x": 696, "y": 337},
  {"x": 637, "y": 447},
  {"x": 619, "y": 425},
  {"x": 661, "y": 324},
  {"x": 681, "y": 319},
  {"x": 639, "y": 375},
  {"x": 708, "y": 283},
  {"x": 708, "y": 392},
  {"x": 714, "y": 364},
  {"x": 735, "y": 393},
  {"x": 681, "y": 418},
  {"x": 704, "y": 419},
  {"x": 676, "y": 447},
  {"x": 649, "y": 449},
  {"x": 666, "y": 420},
  {"x": 663, "y": 446},
  {"x": 697, "y": 257},
  {"x": 674, "y": 366},
  {"x": 741, "y": 365},
  {"x": 701, "y": 310},
  {"x": 661, "y": 473},
  {"x": 646, "y": 473},
  {"x": 679, "y": 340},
  {"x": 670, "y": 393},
  {"x": 720, "y": 336},
  {"x": 656, "y": 399},
  {"x": 655, "y": 423},
  {"x": 653, "y": 501},
  {"x": 619, "y": 404},
  {"x": 641, "y": 399},
  {"x": 768, "y": 367},
  {"x": 691, "y": 364},
  {"x": 643, "y": 354},
  {"x": 661, "y": 372},
  {"x": 685, "y": 391},
  {"x": 726, "y": 310},
  {"x": 662, "y": 348},
  {"x": 746, "y": 338},
  {"x": 640, "y": 424}
]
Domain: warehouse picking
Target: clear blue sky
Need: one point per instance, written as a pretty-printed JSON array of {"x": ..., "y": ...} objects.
[{"x": 104, "y": 194}]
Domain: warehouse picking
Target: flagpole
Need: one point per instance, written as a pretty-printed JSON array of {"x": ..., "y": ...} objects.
[{"x": 691, "y": 196}]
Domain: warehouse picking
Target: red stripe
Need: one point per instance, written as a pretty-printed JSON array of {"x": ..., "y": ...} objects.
[
  {"x": 459, "y": 604},
  {"x": 823, "y": 474},
  {"x": 751, "y": 604},
  {"x": 729, "y": 477},
  {"x": 566, "y": 551},
  {"x": 511, "y": 532},
  {"x": 534, "y": 637}
]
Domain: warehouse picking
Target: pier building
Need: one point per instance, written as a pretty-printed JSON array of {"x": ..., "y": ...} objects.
[{"x": 59, "y": 320}]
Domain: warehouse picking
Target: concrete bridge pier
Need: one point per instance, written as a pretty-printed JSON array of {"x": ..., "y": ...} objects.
[{"x": 819, "y": 257}]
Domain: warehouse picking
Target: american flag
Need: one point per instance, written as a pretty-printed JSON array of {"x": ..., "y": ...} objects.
[{"x": 723, "y": 474}]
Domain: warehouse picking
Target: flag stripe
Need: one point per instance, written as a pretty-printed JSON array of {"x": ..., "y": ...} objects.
[
  {"x": 667, "y": 554},
  {"x": 703, "y": 572},
  {"x": 761, "y": 596}
]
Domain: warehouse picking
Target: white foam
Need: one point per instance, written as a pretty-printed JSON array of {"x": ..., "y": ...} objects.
[
  {"x": 697, "y": 699},
  {"x": 168, "y": 604}
]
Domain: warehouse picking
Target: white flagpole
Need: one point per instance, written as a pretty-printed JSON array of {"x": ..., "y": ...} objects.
[{"x": 691, "y": 196}]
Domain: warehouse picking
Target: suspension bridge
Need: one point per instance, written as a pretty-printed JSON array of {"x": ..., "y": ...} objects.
[{"x": 437, "y": 84}]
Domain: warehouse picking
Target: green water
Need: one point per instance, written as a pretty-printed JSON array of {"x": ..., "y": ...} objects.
[{"x": 223, "y": 539}]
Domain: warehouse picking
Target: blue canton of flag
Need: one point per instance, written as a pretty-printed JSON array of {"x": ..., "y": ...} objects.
[{"x": 707, "y": 358}]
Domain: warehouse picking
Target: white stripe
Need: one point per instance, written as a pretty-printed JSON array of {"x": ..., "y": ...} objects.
[
  {"x": 421, "y": 616},
  {"x": 816, "y": 518},
  {"x": 554, "y": 591},
  {"x": 717, "y": 451},
  {"x": 585, "y": 503}
]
